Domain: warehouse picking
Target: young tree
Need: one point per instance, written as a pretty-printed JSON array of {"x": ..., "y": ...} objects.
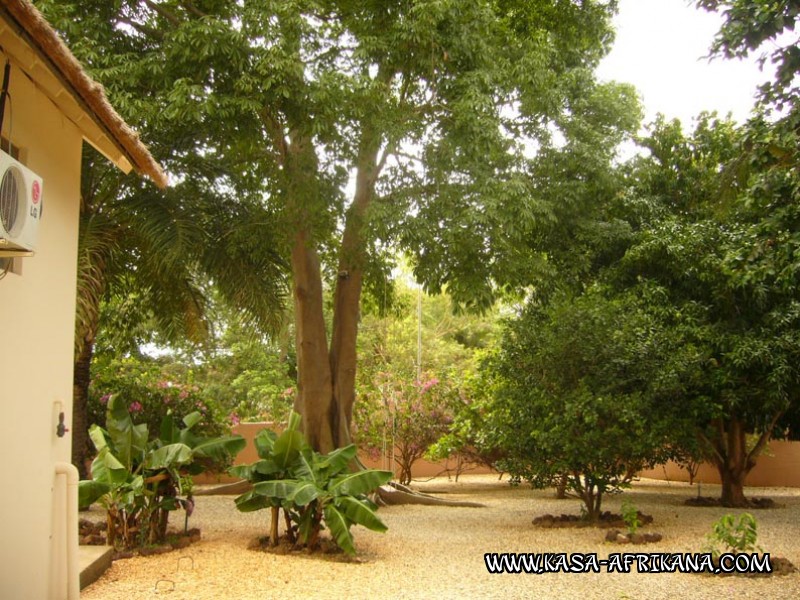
[
  {"x": 720, "y": 244},
  {"x": 583, "y": 394},
  {"x": 423, "y": 105},
  {"x": 413, "y": 361}
]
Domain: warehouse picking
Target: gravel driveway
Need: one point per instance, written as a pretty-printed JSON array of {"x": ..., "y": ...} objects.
[{"x": 438, "y": 552}]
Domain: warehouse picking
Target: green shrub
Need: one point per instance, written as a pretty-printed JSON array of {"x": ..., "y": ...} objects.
[
  {"x": 139, "y": 480},
  {"x": 631, "y": 516},
  {"x": 151, "y": 393},
  {"x": 315, "y": 491},
  {"x": 734, "y": 536}
]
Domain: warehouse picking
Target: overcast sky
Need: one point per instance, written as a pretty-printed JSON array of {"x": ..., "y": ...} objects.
[{"x": 660, "y": 47}]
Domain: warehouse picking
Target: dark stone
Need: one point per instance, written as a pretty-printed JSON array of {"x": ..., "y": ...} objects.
[{"x": 636, "y": 538}]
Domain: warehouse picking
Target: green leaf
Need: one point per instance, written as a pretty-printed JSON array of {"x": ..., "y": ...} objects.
[
  {"x": 305, "y": 466},
  {"x": 108, "y": 469},
  {"x": 250, "y": 502},
  {"x": 169, "y": 433},
  {"x": 278, "y": 488},
  {"x": 89, "y": 491},
  {"x": 287, "y": 447},
  {"x": 129, "y": 440},
  {"x": 305, "y": 493},
  {"x": 361, "y": 482},
  {"x": 242, "y": 472},
  {"x": 98, "y": 437},
  {"x": 220, "y": 448},
  {"x": 340, "y": 529},
  {"x": 192, "y": 419},
  {"x": 360, "y": 513},
  {"x": 266, "y": 467},
  {"x": 169, "y": 456},
  {"x": 338, "y": 460},
  {"x": 265, "y": 442}
]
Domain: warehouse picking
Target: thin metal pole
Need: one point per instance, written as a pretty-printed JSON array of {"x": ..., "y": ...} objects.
[{"x": 419, "y": 334}]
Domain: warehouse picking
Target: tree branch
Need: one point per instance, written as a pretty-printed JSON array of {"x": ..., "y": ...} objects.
[
  {"x": 174, "y": 20},
  {"x": 143, "y": 29},
  {"x": 762, "y": 441},
  {"x": 275, "y": 130},
  {"x": 190, "y": 7}
]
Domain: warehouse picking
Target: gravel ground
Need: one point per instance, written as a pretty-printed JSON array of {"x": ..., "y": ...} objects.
[{"x": 437, "y": 552}]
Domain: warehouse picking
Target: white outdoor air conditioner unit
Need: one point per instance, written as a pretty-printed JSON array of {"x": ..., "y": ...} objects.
[{"x": 20, "y": 207}]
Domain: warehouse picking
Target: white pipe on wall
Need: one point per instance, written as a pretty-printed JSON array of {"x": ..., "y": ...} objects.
[{"x": 71, "y": 543}]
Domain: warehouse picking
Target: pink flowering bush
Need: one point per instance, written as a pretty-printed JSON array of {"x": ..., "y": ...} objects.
[
  {"x": 150, "y": 394},
  {"x": 407, "y": 414}
]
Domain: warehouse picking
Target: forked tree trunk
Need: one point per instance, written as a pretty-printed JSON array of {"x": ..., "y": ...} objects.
[
  {"x": 590, "y": 494},
  {"x": 327, "y": 375}
]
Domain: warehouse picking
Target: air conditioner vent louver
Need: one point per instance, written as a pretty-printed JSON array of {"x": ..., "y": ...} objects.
[
  {"x": 10, "y": 200},
  {"x": 20, "y": 207}
]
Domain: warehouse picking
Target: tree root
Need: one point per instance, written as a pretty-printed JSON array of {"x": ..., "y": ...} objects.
[
  {"x": 225, "y": 489},
  {"x": 394, "y": 494}
]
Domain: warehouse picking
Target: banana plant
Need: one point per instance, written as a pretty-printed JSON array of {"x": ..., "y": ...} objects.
[
  {"x": 315, "y": 490},
  {"x": 139, "y": 481},
  {"x": 276, "y": 453}
]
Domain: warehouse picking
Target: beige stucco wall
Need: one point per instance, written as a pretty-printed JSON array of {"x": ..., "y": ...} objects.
[
  {"x": 420, "y": 470},
  {"x": 779, "y": 466},
  {"x": 36, "y": 341}
]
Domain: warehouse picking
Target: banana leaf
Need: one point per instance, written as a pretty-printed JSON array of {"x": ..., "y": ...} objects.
[
  {"x": 265, "y": 442},
  {"x": 305, "y": 492},
  {"x": 337, "y": 460},
  {"x": 278, "y": 488},
  {"x": 287, "y": 447},
  {"x": 90, "y": 491},
  {"x": 359, "y": 513},
  {"x": 250, "y": 502},
  {"x": 339, "y": 528},
  {"x": 360, "y": 482},
  {"x": 220, "y": 448},
  {"x": 168, "y": 457}
]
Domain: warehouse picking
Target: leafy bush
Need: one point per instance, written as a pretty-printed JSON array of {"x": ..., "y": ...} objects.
[
  {"x": 407, "y": 415},
  {"x": 148, "y": 390},
  {"x": 631, "y": 516},
  {"x": 314, "y": 490},
  {"x": 470, "y": 438},
  {"x": 735, "y": 536},
  {"x": 139, "y": 481},
  {"x": 577, "y": 401}
]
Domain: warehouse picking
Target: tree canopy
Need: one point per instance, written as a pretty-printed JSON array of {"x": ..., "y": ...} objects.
[{"x": 430, "y": 109}]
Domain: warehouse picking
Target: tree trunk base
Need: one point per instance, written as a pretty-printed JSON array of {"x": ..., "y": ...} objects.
[{"x": 394, "y": 494}]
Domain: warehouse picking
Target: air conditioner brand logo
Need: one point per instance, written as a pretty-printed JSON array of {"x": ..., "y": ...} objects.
[{"x": 36, "y": 192}]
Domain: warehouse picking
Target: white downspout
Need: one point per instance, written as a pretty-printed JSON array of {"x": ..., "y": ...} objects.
[{"x": 73, "y": 568}]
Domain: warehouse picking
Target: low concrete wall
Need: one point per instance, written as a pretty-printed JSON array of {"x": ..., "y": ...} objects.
[
  {"x": 779, "y": 467},
  {"x": 422, "y": 469}
]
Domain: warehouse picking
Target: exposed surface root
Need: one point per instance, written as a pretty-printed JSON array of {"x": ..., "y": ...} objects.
[
  {"x": 390, "y": 494},
  {"x": 395, "y": 493}
]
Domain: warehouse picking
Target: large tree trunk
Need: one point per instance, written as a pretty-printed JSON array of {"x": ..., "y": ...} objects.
[
  {"x": 80, "y": 401},
  {"x": 326, "y": 376},
  {"x": 347, "y": 298},
  {"x": 314, "y": 391},
  {"x": 733, "y": 460}
]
